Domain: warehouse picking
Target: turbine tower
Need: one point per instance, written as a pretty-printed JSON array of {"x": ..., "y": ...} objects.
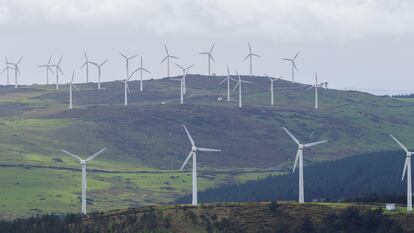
[
  {"x": 71, "y": 84},
  {"x": 47, "y": 68},
  {"x": 228, "y": 78},
  {"x": 250, "y": 56},
  {"x": 6, "y": 69},
  {"x": 126, "y": 87},
  {"x": 407, "y": 168},
  {"x": 58, "y": 69},
  {"x": 292, "y": 61},
  {"x": 86, "y": 65},
  {"x": 299, "y": 158},
  {"x": 16, "y": 69},
  {"x": 193, "y": 153},
  {"x": 185, "y": 72},
  {"x": 182, "y": 80},
  {"x": 99, "y": 66},
  {"x": 141, "y": 68},
  {"x": 209, "y": 58},
  {"x": 127, "y": 59},
  {"x": 239, "y": 84},
  {"x": 272, "y": 80},
  {"x": 316, "y": 86},
  {"x": 83, "y": 163},
  {"x": 167, "y": 58}
]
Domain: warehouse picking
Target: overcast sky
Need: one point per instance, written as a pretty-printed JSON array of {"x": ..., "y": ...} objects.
[{"x": 363, "y": 44}]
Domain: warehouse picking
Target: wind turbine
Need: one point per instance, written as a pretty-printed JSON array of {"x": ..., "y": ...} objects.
[
  {"x": 250, "y": 56},
  {"x": 71, "y": 84},
  {"x": 47, "y": 68},
  {"x": 182, "y": 80},
  {"x": 185, "y": 72},
  {"x": 83, "y": 163},
  {"x": 299, "y": 158},
  {"x": 141, "y": 68},
  {"x": 127, "y": 63},
  {"x": 58, "y": 69},
  {"x": 86, "y": 65},
  {"x": 316, "y": 86},
  {"x": 16, "y": 69},
  {"x": 167, "y": 58},
  {"x": 228, "y": 78},
  {"x": 239, "y": 84},
  {"x": 7, "y": 68},
  {"x": 126, "y": 87},
  {"x": 99, "y": 66},
  {"x": 407, "y": 168},
  {"x": 292, "y": 61},
  {"x": 272, "y": 80},
  {"x": 209, "y": 58},
  {"x": 193, "y": 153}
]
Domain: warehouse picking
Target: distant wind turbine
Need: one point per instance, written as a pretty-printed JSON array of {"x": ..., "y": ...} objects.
[
  {"x": 58, "y": 69},
  {"x": 47, "y": 69},
  {"x": 292, "y": 61},
  {"x": 299, "y": 158},
  {"x": 141, "y": 68},
  {"x": 209, "y": 58},
  {"x": 193, "y": 153},
  {"x": 250, "y": 56},
  {"x": 185, "y": 71},
  {"x": 6, "y": 69},
  {"x": 16, "y": 69},
  {"x": 71, "y": 84},
  {"x": 407, "y": 168},
  {"x": 83, "y": 163},
  {"x": 126, "y": 87},
  {"x": 127, "y": 59},
  {"x": 316, "y": 86},
  {"x": 86, "y": 65},
  {"x": 167, "y": 58},
  {"x": 182, "y": 80},
  {"x": 99, "y": 66},
  {"x": 239, "y": 84},
  {"x": 272, "y": 80},
  {"x": 228, "y": 78}
]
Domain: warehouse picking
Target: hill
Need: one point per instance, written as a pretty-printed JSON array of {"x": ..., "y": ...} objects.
[
  {"x": 147, "y": 144},
  {"x": 226, "y": 218}
]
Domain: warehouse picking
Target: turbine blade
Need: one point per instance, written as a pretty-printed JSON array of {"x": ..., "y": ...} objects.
[
  {"x": 250, "y": 47},
  {"x": 129, "y": 58},
  {"x": 247, "y": 57},
  {"x": 96, "y": 154},
  {"x": 50, "y": 58},
  {"x": 180, "y": 66},
  {"x": 212, "y": 47},
  {"x": 399, "y": 143},
  {"x": 60, "y": 60},
  {"x": 186, "y": 160},
  {"x": 405, "y": 168},
  {"x": 212, "y": 58},
  {"x": 189, "y": 136},
  {"x": 20, "y": 59},
  {"x": 166, "y": 50},
  {"x": 208, "y": 149},
  {"x": 73, "y": 155},
  {"x": 174, "y": 57},
  {"x": 315, "y": 143},
  {"x": 223, "y": 81},
  {"x": 296, "y": 160},
  {"x": 76, "y": 87},
  {"x": 83, "y": 65},
  {"x": 165, "y": 58},
  {"x": 146, "y": 70},
  {"x": 86, "y": 57},
  {"x": 256, "y": 55},
  {"x": 123, "y": 55},
  {"x": 307, "y": 89},
  {"x": 103, "y": 63},
  {"x": 291, "y": 135},
  {"x": 296, "y": 56},
  {"x": 234, "y": 88},
  {"x": 294, "y": 65}
]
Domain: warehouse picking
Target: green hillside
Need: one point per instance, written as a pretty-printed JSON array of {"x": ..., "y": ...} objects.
[{"x": 147, "y": 144}]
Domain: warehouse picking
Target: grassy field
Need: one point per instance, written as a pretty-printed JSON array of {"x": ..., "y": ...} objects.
[{"x": 147, "y": 144}]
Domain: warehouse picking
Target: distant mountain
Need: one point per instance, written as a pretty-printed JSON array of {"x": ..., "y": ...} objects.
[{"x": 350, "y": 177}]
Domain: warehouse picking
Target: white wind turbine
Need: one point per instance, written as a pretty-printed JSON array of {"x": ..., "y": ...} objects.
[
  {"x": 83, "y": 163},
  {"x": 47, "y": 68},
  {"x": 71, "y": 85},
  {"x": 185, "y": 72},
  {"x": 99, "y": 66},
  {"x": 141, "y": 68},
  {"x": 228, "y": 78},
  {"x": 193, "y": 153},
  {"x": 127, "y": 63},
  {"x": 272, "y": 80},
  {"x": 16, "y": 69},
  {"x": 239, "y": 84},
  {"x": 316, "y": 86},
  {"x": 182, "y": 80},
  {"x": 407, "y": 168},
  {"x": 292, "y": 61},
  {"x": 58, "y": 69},
  {"x": 251, "y": 55},
  {"x": 299, "y": 158},
  {"x": 209, "y": 58},
  {"x": 126, "y": 87},
  {"x": 167, "y": 58},
  {"x": 6, "y": 69},
  {"x": 86, "y": 65}
]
